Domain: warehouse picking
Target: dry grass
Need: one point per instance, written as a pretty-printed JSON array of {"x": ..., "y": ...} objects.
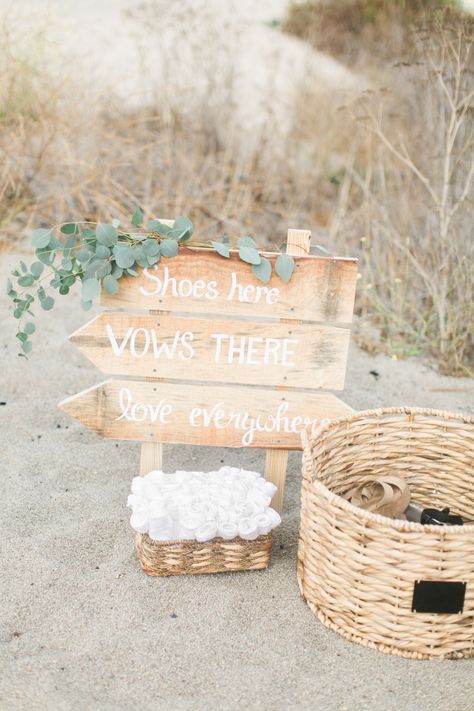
[
  {"x": 406, "y": 196},
  {"x": 357, "y": 190}
]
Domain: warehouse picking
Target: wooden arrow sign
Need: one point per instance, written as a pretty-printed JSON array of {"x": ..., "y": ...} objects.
[
  {"x": 200, "y": 414},
  {"x": 217, "y": 351}
]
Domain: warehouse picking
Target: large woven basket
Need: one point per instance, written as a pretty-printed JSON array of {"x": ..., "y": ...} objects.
[
  {"x": 215, "y": 556},
  {"x": 358, "y": 570}
]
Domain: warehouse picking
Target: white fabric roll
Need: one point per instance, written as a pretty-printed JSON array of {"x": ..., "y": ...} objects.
[
  {"x": 206, "y": 531},
  {"x": 258, "y": 498},
  {"x": 227, "y": 530},
  {"x": 138, "y": 485},
  {"x": 137, "y": 503},
  {"x": 156, "y": 476},
  {"x": 161, "y": 528},
  {"x": 275, "y": 517},
  {"x": 264, "y": 523},
  {"x": 139, "y": 522},
  {"x": 248, "y": 529}
]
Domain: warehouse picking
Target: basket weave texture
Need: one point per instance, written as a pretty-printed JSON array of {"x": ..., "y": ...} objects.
[
  {"x": 357, "y": 569},
  {"x": 215, "y": 556}
]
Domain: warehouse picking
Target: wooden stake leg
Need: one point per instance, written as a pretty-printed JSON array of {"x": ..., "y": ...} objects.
[
  {"x": 151, "y": 457},
  {"x": 298, "y": 243},
  {"x": 275, "y": 471}
]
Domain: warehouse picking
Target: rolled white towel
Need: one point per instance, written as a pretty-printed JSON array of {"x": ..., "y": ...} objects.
[
  {"x": 139, "y": 521},
  {"x": 184, "y": 534},
  {"x": 190, "y": 521},
  {"x": 161, "y": 528},
  {"x": 151, "y": 490},
  {"x": 275, "y": 517},
  {"x": 227, "y": 530},
  {"x": 248, "y": 529},
  {"x": 206, "y": 531},
  {"x": 182, "y": 477},
  {"x": 264, "y": 523},
  {"x": 156, "y": 476},
  {"x": 138, "y": 485},
  {"x": 268, "y": 488},
  {"x": 137, "y": 503},
  {"x": 258, "y": 498}
]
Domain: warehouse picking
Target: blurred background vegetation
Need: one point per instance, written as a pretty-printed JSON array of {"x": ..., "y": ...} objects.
[{"x": 384, "y": 173}]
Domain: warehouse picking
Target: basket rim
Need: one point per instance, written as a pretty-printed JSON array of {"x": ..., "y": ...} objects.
[
  {"x": 267, "y": 537},
  {"x": 368, "y": 516}
]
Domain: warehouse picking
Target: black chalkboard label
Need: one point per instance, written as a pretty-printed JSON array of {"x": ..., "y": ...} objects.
[{"x": 438, "y": 596}]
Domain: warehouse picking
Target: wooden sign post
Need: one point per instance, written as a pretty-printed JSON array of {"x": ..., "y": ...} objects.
[{"x": 206, "y": 354}]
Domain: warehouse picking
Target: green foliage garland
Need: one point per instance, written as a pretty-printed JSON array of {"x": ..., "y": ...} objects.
[{"x": 98, "y": 255}]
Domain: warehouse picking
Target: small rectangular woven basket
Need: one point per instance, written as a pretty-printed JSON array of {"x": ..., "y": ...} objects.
[
  {"x": 359, "y": 571},
  {"x": 191, "y": 557}
]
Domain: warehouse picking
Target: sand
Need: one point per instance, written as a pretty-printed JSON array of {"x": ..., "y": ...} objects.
[{"x": 83, "y": 628}]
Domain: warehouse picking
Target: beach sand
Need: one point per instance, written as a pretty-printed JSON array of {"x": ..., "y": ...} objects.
[{"x": 83, "y": 628}]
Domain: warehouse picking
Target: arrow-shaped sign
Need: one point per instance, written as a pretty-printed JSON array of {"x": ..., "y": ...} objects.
[
  {"x": 200, "y": 414},
  {"x": 218, "y": 351}
]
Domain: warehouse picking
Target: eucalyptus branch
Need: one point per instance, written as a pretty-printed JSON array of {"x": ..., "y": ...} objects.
[{"x": 98, "y": 255}]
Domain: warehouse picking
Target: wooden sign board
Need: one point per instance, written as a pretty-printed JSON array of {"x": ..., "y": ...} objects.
[
  {"x": 222, "y": 416},
  {"x": 220, "y": 358},
  {"x": 216, "y": 351},
  {"x": 201, "y": 281}
]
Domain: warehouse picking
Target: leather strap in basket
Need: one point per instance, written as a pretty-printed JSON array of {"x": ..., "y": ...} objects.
[{"x": 385, "y": 495}]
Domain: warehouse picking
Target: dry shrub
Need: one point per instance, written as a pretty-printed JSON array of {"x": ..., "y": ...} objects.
[
  {"x": 410, "y": 200},
  {"x": 361, "y": 33}
]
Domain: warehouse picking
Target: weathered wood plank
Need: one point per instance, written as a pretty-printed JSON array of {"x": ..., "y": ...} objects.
[
  {"x": 298, "y": 243},
  {"x": 219, "y": 351},
  {"x": 199, "y": 414},
  {"x": 200, "y": 281}
]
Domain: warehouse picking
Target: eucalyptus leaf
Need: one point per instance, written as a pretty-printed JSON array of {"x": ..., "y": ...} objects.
[
  {"x": 69, "y": 280},
  {"x": 29, "y": 328},
  {"x": 66, "y": 264},
  {"x": 249, "y": 255},
  {"x": 263, "y": 271},
  {"x": 284, "y": 267},
  {"x": 83, "y": 256},
  {"x": 104, "y": 270},
  {"x": 151, "y": 247},
  {"x": 169, "y": 248},
  {"x": 26, "y": 280},
  {"x": 247, "y": 241},
  {"x": 106, "y": 234},
  {"x": 137, "y": 218},
  {"x": 63, "y": 289},
  {"x": 45, "y": 256},
  {"x": 90, "y": 289},
  {"x": 110, "y": 284},
  {"x": 124, "y": 256},
  {"x": 116, "y": 271},
  {"x": 26, "y": 347},
  {"x": 86, "y": 305},
  {"x": 102, "y": 251},
  {"x": 157, "y": 226},
  {"x": 221, "y": 248},
  {"x": 41, "y": 238},
  {"x": 37, "y": 269},
  {"x": 22, "y": 336},
  {"x": 70, "y": 228},
  {"x": 153, "y": 260},
  {"x": 47, "y": 303}
]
